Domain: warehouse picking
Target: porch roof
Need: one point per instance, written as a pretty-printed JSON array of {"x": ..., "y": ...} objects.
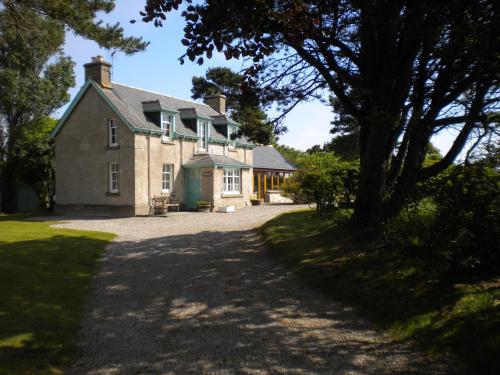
[{"x": 213, "y": 161}]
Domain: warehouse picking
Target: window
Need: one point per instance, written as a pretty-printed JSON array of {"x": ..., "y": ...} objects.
[
  {"x": 112, "y": 133},
  {"x": 166, "y": 180},
  {"x": 114, "y": 178},
  {"x": 232, "y": 181},
  {"x": 203, "y": 134},
  {"x": 167, "y": 124},
  {"x": 230, "y": 131}
]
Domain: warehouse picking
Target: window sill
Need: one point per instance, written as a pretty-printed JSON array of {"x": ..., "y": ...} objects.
[
  {"x": 167, "y": 141},
  {"x": 231, "y": 195},
  {"x": 108, "y": 147},
  {"x": 112, "y": 194}
]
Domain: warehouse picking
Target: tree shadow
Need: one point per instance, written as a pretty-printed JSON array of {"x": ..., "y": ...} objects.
[
  {"x": 213, "y": 302},
  {"x": 43, "y": 284}
]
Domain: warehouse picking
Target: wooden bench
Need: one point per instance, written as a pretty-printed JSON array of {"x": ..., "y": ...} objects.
[{"x": 161, "y": 203}]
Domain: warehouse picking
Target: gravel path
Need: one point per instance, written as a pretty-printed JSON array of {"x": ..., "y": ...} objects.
[{"x": 195, "y": 293}]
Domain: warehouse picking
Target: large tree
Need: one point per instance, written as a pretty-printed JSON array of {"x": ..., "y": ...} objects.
[
  {"x": 34, "y": 80},
  {"x": 80, "y": 16},
  {"x": 404, "y": 70},
  {"x": 243, "y": 102}
]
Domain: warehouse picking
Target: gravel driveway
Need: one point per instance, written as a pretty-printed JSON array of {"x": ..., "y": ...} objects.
[{"x": 195, "y": 293}]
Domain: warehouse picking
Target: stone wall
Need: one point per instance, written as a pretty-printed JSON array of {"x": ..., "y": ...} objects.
[{"x": 83, "y": 157}]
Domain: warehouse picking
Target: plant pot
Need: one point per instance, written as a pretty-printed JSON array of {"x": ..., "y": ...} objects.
[
  {"x": 161, "y": 210},
  {"x": 256, "y": 202},
  {"x": 204, "y": 208}
]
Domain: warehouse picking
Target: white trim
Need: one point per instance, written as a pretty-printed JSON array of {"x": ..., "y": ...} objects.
[
  {"x": 204, "y": 135},
  {"x": 167, "y": 123},
  {"x": 114, "y": 178},
  {"x": 168, "y": 171},
  {"x": 112, "y": 125},
  {"x": 231, "y": 181}
]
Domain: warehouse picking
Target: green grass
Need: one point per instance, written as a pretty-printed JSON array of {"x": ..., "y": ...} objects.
[
  {"x": 400, "y": 294},
  {"x": 44, "y": 279}
]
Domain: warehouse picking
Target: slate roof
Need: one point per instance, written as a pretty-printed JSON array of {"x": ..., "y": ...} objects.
[
  {"x": 209, "y": 160},
  {"x": 267, "y": 157},
  {"x": 131, "y": 103}
]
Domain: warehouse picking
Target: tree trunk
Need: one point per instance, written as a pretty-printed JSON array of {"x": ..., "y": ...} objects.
[{"x": 369, "y": 204}]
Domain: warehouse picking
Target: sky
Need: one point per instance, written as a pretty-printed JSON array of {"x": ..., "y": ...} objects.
[{"x": 158, "y": 69}]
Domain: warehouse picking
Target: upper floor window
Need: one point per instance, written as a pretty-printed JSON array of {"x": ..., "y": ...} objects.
[
  {"x": 231, "y": 181},
  {"x": 232, "y": 140},
  {"x": 114, "y": 178},
  {"x": 166, "y": 125},
  {"x": 112, "y": 133},
  {"x": 203, "y": 134},
  {"x": 166, "y": 181}
]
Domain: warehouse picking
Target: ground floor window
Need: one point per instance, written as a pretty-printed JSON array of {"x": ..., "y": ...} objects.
[
  {"x": 232, "y": 180},
  {"x": 166, "y": 181},
  {"x": 114, "y": 178}
]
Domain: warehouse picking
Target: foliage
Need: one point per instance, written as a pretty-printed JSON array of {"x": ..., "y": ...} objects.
[
  {"x": 77, "y": 15},
  {"x": 325, "y": 180},
  {"x": 34, "y": 80},
  {"x": 243, "y": 102},
  {"x": 45, "y": 277},
  {"x": 455, "y": 227},
  {"x": 404, "y": 71},
  {"x": 34, "y": 158},
  {"x": 455, "y": 321},
  {"x": 291, "y": 154}
]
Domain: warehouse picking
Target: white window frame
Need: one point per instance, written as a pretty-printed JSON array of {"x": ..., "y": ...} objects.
[
  {"x": 167, "y": 173},
  {"x": 114, "y": 178},
  {"x": 166, "y": 125},
  {"x": 203, "y": 134},
  {"x": 232, "y": 181},
  {"x": 112, "y": 132}
]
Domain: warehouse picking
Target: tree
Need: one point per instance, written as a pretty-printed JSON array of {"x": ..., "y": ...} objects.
[
  {"x": 34, "y": 158},
  {"x": 243, "y": 103},
  {"x": 404, "y": 70},
  {"x": 34, "y": 79},
  {"x": 76, "y": 15}
]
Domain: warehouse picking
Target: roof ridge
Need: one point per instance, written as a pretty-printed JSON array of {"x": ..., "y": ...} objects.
[{"x": 160, "y": 93}]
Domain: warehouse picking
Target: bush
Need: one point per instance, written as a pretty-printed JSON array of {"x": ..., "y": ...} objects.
[
  {"x": 455, "y": 228},
  {"x": 325, "y": 180}
]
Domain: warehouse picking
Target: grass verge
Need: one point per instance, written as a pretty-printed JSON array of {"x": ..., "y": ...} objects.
[
  {"x": 44, "y": 278},
  {"x": 398, "y": 293}
]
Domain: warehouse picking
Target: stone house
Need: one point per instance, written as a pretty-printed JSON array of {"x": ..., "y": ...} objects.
[{"x": 118, "y": 147}]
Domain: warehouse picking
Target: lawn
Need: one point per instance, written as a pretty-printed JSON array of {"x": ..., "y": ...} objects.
[
  {"x": 395, "y": 292},
  {"x": 45, "y": 277}
]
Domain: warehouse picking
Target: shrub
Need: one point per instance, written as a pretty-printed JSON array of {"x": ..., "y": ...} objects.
[
  {"x": 324, "y": 179},
  {"x": 455, "y": 224}
]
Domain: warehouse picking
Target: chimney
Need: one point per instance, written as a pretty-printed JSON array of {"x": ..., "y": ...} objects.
[
  {"x": 217, "y": 102},
  {"x": 98, "y": 71}
]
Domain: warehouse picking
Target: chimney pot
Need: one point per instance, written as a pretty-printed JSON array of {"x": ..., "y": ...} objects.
[{"x": 98, "y": 71}]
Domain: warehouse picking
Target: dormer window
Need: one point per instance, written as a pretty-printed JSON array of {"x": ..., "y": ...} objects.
[
  {"x": 166, "y": 125},
  {"x": 112, "y": 133},
  {"x": 203, "y": 134},
  {"x": 230, "y": 131}
]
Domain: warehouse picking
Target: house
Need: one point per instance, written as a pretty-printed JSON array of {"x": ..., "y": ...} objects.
[
  {"x": 270, "y": 169},
  {"x": 118, "y": 147}
]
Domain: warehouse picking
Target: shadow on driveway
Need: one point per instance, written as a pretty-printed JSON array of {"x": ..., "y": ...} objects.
[{"x": 214, "y": 303}]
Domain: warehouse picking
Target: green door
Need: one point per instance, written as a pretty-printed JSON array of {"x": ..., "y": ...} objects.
[{"x": 193, "y": 187}]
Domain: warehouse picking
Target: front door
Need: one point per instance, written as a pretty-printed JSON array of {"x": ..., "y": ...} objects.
[{"x": 193, "y": 187}]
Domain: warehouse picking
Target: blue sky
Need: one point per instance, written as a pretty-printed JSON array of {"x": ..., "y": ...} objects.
[{"x": 158, "y": 69}]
